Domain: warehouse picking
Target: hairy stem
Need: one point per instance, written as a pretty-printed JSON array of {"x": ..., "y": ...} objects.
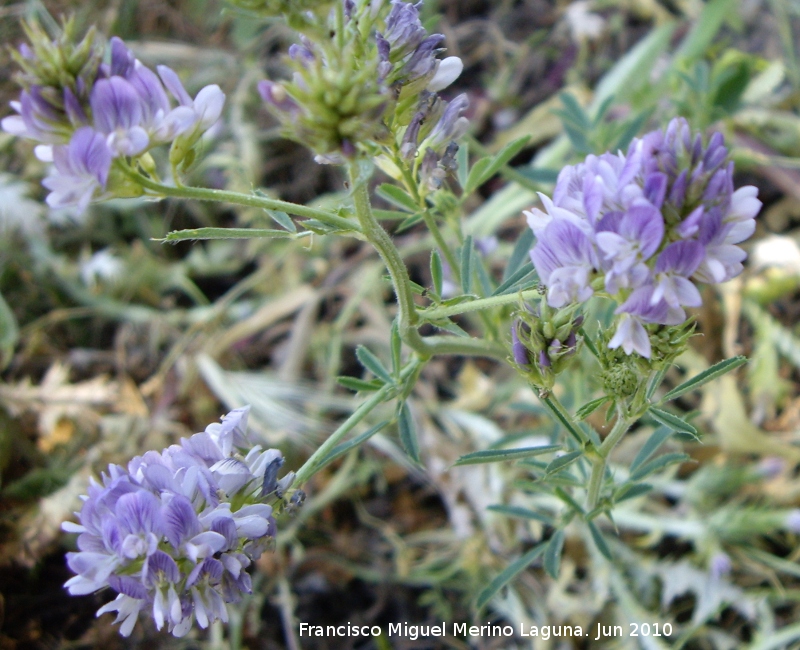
[
  {"x": 407, "y": 317},
  {"x": 475, "y": 305},
  {"x": 600, "y": 460},
  {"x": 387, "y": 392},
  {"x": 237, "y": 198}
]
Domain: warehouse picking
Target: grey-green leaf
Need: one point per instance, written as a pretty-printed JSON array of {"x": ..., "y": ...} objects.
[
  {"x": 496, "y": 455},
  {"x": 552, "y": 554},
  {"x": 343, "y": 448},
  {"x": 282, "y": 219},
  {"x": 520, "y": 254},
  {"x": 476, "y": 174},
  {"x": 709, "y": 374},
  {"x": 521, "y": 513},
  {"x": 9, "y": 333},
  {"x": 359, "y": 385},
  {"x": 508, "y": 574},
  {"x": 373, "y": 364},
  {"x": 599, "y": 542},
  {"x": 657, "y": 464},
  {"x": 436, "y": 272},
  {"x": 656, "y": 439},
  {"x": 462, "y": 160},
  {"x": 590, "y": 407},
  {"x": 631, "y": 491},
  {"x": 408, "y": 433},
  {"x": 467, "y": 252},
  {"x": 557, "y": 464},
  {"x": 397, "y": 197},
  {"x": 672, "y": 421}
]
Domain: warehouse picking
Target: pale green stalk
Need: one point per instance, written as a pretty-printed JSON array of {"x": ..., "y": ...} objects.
[
  {"x": 600, "y": 460},
  {"x": 438, "y": 313},
  {"x": 407, "y": 316},
  {"x": 237, "y": 198}
]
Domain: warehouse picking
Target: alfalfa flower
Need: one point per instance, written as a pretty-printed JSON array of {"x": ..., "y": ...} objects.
[
  {"x": 85, "y": 113},
  {"x": 174, "y": 532},
  {"x": 644, "y": 228}
]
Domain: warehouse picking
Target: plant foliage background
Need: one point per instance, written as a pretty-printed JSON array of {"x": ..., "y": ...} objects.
[{"x": 112, "y": 343}]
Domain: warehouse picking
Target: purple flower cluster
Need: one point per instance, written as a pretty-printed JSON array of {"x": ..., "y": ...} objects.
[
  {"x": 174, "y": 534},
  {"x": 118, "y": 109},
  {"x": 398, "y": 76},
  {"x": 645, "y": 227}
]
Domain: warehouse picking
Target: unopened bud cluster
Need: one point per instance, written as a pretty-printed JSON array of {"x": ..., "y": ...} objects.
[
  {"x": 544, "y": 341},
  {"x": 174, "y": 533},
  {"x": 86, "y": 113},
  {"x": 371, "y": 87}
]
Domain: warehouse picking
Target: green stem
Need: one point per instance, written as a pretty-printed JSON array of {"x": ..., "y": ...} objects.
[
  {"x": 407, "y": 316},
  {"x": 384, "y": 394},
  {"x": 562, "y": 415},
  {"x": 438, "y": 313},
  {"x": 600, "y": 459},
  {"x": 237, "y": 198},
  {"x": 427, "y": 217}
]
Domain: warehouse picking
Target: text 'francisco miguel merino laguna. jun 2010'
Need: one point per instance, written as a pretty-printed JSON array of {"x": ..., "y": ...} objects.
[{"x": 544, "y": 632}]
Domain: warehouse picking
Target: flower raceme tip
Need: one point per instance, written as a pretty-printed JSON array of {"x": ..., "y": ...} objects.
[{"x": 117, "y": 109}]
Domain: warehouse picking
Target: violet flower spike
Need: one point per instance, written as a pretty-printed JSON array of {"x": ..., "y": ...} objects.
[{"x": 174, "y": 534}]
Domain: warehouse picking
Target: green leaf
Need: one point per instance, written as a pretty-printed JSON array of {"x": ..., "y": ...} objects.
[
  {"x": 590, "y": 407},
  {"x": 373, "y": 364},
  {"x": 502, "y": 158},
  {"x": 496, "y": 455},
  {"x": 519, "y": 278},
  {"x": 475, "y": 174},
  {"x": 344, "y": 447},
  {"x": 574, "y": 112},
  {"x": 672, "y": 421},
  {"x": 717, "y": 370},
  {"x": 655, "y": 381},
  {"x": 557, "y": 464},
  {"x": 483, "y": 278},
  {"x": 397, "y": 348},
  {"x": 656, "y": 439},
  {"x": 539, "y": 174},
  {"x": 37, "y": 483},
  {"x": 552, "y": 554},
  {"x": 9, "y": 333},
  {"x": 508, "y": 574},
  {"x": 657, "y": 464},
  {"x": 466, "y": 265},
  {"x": 359, "y": 385},
  {"x": 450, "y": 326},
  {"x": 630, "y": 130},
  {"x": 631, "y": 491},
  {"x": 436, "y": 272},
  {"x": 397, "y": 197},
  {"x": 413, "y": 220},
  {"x": 521, "y": 513},
  {"x": 633, "y": 69},
  {"x": 566, "y": 498},
  {"x": 705, "y": 28},
  {"x": 462, "y": 160},
  {"x": 408, "y": 432},
  {"x": 282, "y": 219},
  {"x": 389, "y": 215},
  {"x": 229, "y": 233},
  {"x": 599, "y": 542},
  {"x": 520, "y": 254}
]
